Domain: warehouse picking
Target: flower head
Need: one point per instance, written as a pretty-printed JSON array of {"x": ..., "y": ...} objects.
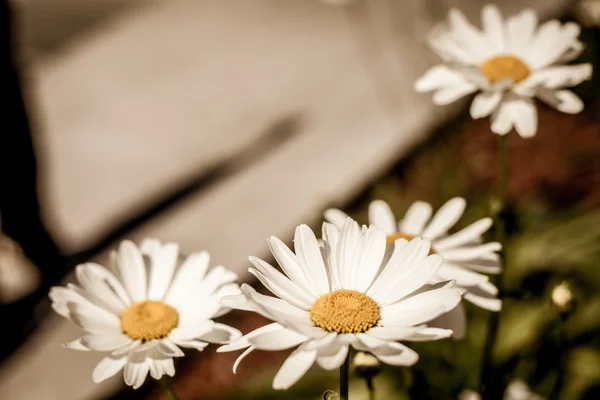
[
  {"x": 143, "y": 314},
  {"x": 465, "y": 258},
  {"x": 347, "y": 291},
  {"x": 508, "y": 63}
]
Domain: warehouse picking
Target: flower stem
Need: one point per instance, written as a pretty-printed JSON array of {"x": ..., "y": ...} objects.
[
  {"x": 497, "y": 206},
  {"x": 168, "y": 386},
  {"x": 562, "y": 349},
  {"x": 370, "y": 387},
  {"x": 344, "y": 378}
]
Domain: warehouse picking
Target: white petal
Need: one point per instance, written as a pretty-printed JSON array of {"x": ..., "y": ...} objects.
[
  {"x": 445, "y": 218},
  {"x": 450, "y": 94},
  {"x": 335, "y": 216},
  {"x": 462, "y": 276},
  {"x": 396, "y": 354},
  {"x": 348, "y": 251},
  {"x": 131, "y": 346},
  {"x": 568, "y": 102},
  {"x": 332, "y": 357},
  {"x": 438, "y": 77},
  {"x": 429, "y": 334},
  {"x": 61, "y": 298},
  {"x": 105, "y": 342},
  {"x": 132, "y": 270},
  {"x": 493, "y": 27},
  {"x": 418, "y": 276},
  {"x": 168, "y": 348},
  {"x": 102, "y": 287},
  {"x": 421, "y": 308},
  {"x": 455, "y": 320},
  {"x": 469, "y": 35},
  {"x": 191, "y": 344},
  {"x": 331, "y": 236},
  {"x": 471, "y": 233},
  {"x": 392, "y": 332},
  {"x": 192, "y": 331},
  {"x": 485, "y": 103},
  {"x": 277, "y": 340},
  {"x": 244, "y": 341},
  {"x": 488, "y": 303},
  {"x": 189, "y": 276},
  {"x": 381, "y": 215},
  {"x": 290, "y": 265},
  {"x": 94, "y": 319},
  {"x": 525, "y": 117},
  {"x": 520, "y": 29},
  {"x": 294, "y": 367},
  {"x": 402, "y": 263},
  {"x": 415, "y": 219},
  {"x": 221, "y": 334},
  {"x": 558, "y": 77},
  {"x": 310, "y": 258},
  {"x": 241, "y": 357},
  {"x": 75, "y": 345},
  {"x": 472, "y": 252},
  {"x": 108, "y": 367},
  {"x": 135, "y": 374},
  {"x": 163, "y": 262},
  {"x": 551, "y": 42},
  {"x": 280, "y": 285},
  {"x": 502, "y": 118},
  {"x": 373, "y": 250}
]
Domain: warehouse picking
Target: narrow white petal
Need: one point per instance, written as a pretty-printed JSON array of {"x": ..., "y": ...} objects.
[
  {"x": 101, "y": 287},
  {"x": 455, "y": 320},
  {"x": 569, "y": 102},
  {"x": 558, "y": 77},
  {"x": 108, "y": 367},
  {"x": 331, "y": 235},
  {"x": 244, "y": 341},
  {"x": 332, "y": 357},
  {"x": 520, "y": 29},
  {"x": 416, "y": 217},
  {"x": 221, "y": 334},
  {"x": 279, "y": 310},
  {"x": 162, "y": 267},
  {"x": 94, "y": 319},
  {"x": 502, "y": 118},
  {"x": 75, "y": 345},
  {"x": 105, "y": 342},
  {"x": 472, "y": 37},
  {"x": 396, "y": 354},
  {"x": 191, "y": 344},
  {"x": 525, "y": 118},
  {"x": 310, "y": 258},
  {"x": 189, "y": 276},
  {"x": 485, "y": 103},
  {"x": 421, "y": 308},
  {"x": 335, "y": 216},
  {"x": 277, "y": 340},
  {"x": 438, "y": 77},
  {"x": 348, "y": 250},
  {"x": 488, "y": 303},
  {"x": 280, "y": 285},
  {"x": 294, "y": 367},
  {"x": 450, "y": 94},
  {"x": 373, "y": 250},
  {"x": 237, "y": 362},
  {"x": 415, "y": 279},
  {"x": 429, "y": 334},
  {"x": 462, "y": 276},
  {"x": 445, "y": 218},
  {"x": 132, "y": 270},
  {"x": 381, "y": 215},
  {"x": 471, "y": 252},
  {"x": 493, "y": 27},
  {"x": 471, "y": 233},
  {"x": 290, "y": 265},
  {"x": 168, "y": 348}
]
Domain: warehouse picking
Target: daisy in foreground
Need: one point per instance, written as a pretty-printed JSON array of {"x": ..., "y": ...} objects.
[
  {"x": 143, "y": 321},
  {"x": 346, "y": 292},
  {"x": 465, "y": 258},
  {"x": 509, "y": 63}
]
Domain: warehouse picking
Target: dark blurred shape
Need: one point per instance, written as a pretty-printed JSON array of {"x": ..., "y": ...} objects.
[{"x": 19, "y": 204}]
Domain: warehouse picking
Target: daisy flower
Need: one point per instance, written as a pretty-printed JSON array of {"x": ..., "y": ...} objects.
[
  {"x": 508, "y": 63},
  {"x": 143, "y": 313},
  {"x": 465, "y": 258},
  {"x": 349, "y": 291}
]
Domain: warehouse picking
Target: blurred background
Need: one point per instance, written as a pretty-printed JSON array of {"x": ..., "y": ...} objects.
[{"x": 217, "y": 123}]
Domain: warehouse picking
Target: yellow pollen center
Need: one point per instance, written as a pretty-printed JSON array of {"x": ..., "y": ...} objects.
[
  {"x": 399, "y": 235},
  {"x": 504, "y": 67},
  {"x": 148, "y": 320},
  {"x": 345, "y": 311}
]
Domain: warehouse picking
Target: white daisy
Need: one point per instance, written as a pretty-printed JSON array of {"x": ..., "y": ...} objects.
[
  {"x": 142, "y": 314},
  {"x": 465, "y": 258},
  {"x": 347, "y": 292},
  {"x": 509, "y": 63}
]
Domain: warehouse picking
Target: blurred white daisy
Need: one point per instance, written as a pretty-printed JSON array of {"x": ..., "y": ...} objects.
[
  {"x": 143, "y": 313},
  {"x": 466, "y": 259},
  {"x": 509, "y": 62},
  {"x": 348, "y": 292}
]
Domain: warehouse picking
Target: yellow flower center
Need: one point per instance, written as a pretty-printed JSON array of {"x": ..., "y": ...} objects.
[
  {"x": 504, "y": 67},
  {"x": 345, "y": 311},
  {"x": 399, "y": 235},
  {"x": 149, "y": 320}
]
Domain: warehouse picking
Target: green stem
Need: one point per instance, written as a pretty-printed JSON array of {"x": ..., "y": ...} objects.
[
  {"x": 344, "y": 378},
  {"x": 562, "y": 344},
  {"x": 168, "y": 386},
  {"x": 497, "y": 206},
  {"x": 370, "y": 387}
]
